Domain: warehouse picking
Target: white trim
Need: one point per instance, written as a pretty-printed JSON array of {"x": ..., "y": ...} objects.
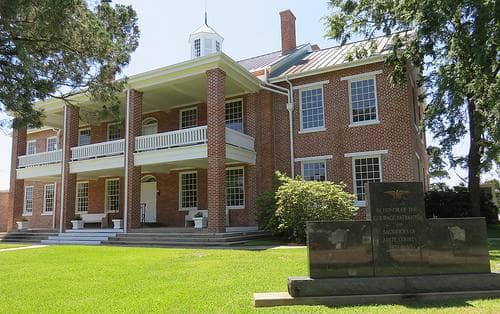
[
  {"x": 314, "y": 84},
  {"x": 126, "y": 159},
  {"x": 107, "y": 132},
  {"x": 355, "y": 192},
  {"x": 32, "y": 200},
  {"x": 44, "y": 210},
  {"x": 314, "y": 158},
  {"x": 369, "y": 153},
  {"x": 106, "y": 210},
  {"x": 244, "y": 189},
  {"x": 47, "y": 143},
  {"x": 357, "y": 78},
  {"x": 76, "y": 197},
  {"x": 316, "y": 129},
  {"x": 184, "y": 110},
  {"x": 180, "y": 191},
  {"x": 28, "y": 144},
  {"x": 360, "y": 76}
]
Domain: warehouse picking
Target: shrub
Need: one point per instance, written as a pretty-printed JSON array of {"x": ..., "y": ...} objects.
[
  {"x": 266, "y": 206},
  {"x": 455, "y": 203},
  {"x": 299, "y": 201}
]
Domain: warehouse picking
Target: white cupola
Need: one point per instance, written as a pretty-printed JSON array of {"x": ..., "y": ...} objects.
[{"x": 204, "y": 41}]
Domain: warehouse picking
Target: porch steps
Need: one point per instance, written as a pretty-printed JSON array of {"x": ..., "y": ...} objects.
[
  {"x": 82, "y": 237},
  {"x": 26, "y": 236},
  {"x": 184, "y": 239}
]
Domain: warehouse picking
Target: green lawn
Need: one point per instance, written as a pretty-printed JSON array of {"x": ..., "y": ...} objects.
[
  {"x": 114, "y": 279},
  {"x": 12, "y": 245}
]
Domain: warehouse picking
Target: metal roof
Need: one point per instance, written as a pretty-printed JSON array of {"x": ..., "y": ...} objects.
[{"x": 260, "y": 61}]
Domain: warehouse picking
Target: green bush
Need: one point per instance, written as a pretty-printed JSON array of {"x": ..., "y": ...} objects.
[
  {"x": 299, "y": 201},
  {"x": 455, "y": 203},
  {"x": 266, "y": 206}
]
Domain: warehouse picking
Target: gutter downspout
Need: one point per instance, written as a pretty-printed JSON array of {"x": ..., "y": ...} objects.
[
  {"x": 126, "y": 159},
  {"x": 289, "y": 106}
]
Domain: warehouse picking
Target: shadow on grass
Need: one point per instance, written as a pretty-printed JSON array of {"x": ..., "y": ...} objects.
[{"x": 416, "y": 305}]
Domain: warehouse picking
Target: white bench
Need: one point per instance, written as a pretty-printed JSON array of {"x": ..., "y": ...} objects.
[{"x": 92, "y": 218}]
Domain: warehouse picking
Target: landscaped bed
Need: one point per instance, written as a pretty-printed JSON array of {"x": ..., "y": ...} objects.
[{"x": 117, "y": 279}]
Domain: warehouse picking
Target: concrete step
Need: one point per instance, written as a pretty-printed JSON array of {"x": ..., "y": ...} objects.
[
  {"x": 82, "y": 238},
  {"x": 94, "y": 230},
  {"x": 172, "y": 243},
  {"x": 196, "y": 234},
  {"x": 75, "y": 242},
  {"x": 86, "y": 234},
  {"x": 180, "y": 239}
]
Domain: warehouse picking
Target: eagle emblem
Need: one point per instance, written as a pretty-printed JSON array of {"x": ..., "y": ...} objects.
[{"x": 397, "y": 194}]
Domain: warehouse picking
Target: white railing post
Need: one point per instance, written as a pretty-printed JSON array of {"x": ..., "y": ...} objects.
[
  {"x": 104, "y": 149},
  {"x": 191, "y": 136},
  {"x": 40, "y": 159}
]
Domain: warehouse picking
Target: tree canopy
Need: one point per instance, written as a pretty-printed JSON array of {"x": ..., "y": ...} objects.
[
  {"x": 58, "y": 48},
  {"x": 456, "y": 44}
]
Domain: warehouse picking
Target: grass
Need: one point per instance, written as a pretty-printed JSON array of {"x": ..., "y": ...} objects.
[
  {"x": 75, "y": 279},
  {"x": 12, "y": 245}
]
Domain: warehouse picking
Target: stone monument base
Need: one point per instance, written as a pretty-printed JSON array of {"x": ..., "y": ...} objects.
[{"x": 383, "y": 290}]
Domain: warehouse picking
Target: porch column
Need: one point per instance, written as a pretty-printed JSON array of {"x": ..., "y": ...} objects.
[
  {"x": 68, "y": 180},
  {"x": 216, "y": 150},
  {"x": 16, "y": 195},
  {"x": 133, "y": 125}
]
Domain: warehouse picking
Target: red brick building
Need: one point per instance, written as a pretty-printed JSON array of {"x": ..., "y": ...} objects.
[{"x": 205, "y": 135}]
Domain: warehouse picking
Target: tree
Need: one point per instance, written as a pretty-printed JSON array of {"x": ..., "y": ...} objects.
[
  {"x": 455, "y": 43},
  {"x": 59, "y": 48},
  {"x": 437, "y": 166}
]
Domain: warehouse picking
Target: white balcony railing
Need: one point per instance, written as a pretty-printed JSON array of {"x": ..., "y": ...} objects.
[
  {"x": 40, "y": 159},
  {"x": 239, "y": 139},
  {"x": 177, "y": 138},
  {"x": 104, "y": 149}
]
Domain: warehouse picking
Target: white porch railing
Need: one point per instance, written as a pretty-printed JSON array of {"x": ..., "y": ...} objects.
[
  {"x": 239, "y": 139},
  {"x": 184, "y": 137},
  {"x": 104, "y": 149},
  {"x": 40, "y": 159}
]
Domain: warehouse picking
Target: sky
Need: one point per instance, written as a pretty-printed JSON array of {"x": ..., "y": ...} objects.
[{"x": 249, "y": 28}]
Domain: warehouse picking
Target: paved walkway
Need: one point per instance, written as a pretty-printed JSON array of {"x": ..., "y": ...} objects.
[{"x": 23, "y": 248}]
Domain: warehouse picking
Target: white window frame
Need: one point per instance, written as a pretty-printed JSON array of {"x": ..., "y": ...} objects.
[
  {"x": 307, "y": 87},
  {"x": 80, "y": 133},
  {"x": 240, "y": 100},
  {"x": 77, "y": 211},
  {"x": 356, "y": 156},
  {"x": 180, "y": 190},
  {"x": 25, "y": 213},
  {"x": 244, "y": 189},
  {"x": 109, "y": 127},
  {"x": 106, "y": 194},
  {"x": 47, "y": 143},
  {"x": 45, "y": 212},
  {"x": 357, "y": 78},
  {"x": 28, "y": 143},
  {"x": 312, "y": 160},
  {"x": 185, "y": 110}
]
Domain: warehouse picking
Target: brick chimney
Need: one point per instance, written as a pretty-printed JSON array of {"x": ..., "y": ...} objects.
[{"x": 288, "y": 41}]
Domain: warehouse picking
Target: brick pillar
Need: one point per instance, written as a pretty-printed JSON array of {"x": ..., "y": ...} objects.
[
  {"x": 264, "y": 142},
  {"x": 68, "y": 190},
  {"x": 216, "y": 150},
  {"x": 133, "y": 174},
  {"x": 252, "y": 103},
  {"x": 16, "y": 194}
]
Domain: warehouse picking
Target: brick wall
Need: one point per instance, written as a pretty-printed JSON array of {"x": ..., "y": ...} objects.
[{"x": 4, "y": 210}]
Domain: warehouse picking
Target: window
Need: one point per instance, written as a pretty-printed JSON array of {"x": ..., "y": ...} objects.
[
  {"x": 31, "y": 147},
  {"x": 363, "y": 101},
  {"x": 208, "y": 46},
  {"x": 188, "y": 195},
  {"x": 188, "y": 118},
  {"x": 114, "y": 131},
  {"x": 48, "y": 198},
  {"x": 217, "y": 46},
  {"x": 82, "y": 197},
  {"x": 366, "y": 169},
  {"x": 84, "y": 137},
  {"x": 314, "y": 170},
  {"x": 28, "y": 201},
  {"x": 234, "y": 115},
  {"x": 51, "y": 144},
  {"x": 112, "y": 195},
  {"x": 311, "y": 109},
  {"x": 197, "y": 48},
  {"x": 235, "y": 188},
  {"x": 149, "y": 126}
]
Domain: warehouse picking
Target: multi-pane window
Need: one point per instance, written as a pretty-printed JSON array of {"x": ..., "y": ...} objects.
[
  {"x": 188, "y": 190},
  {"x": 311, "y": 108},
  {"x": 217, "y": 46},
  {"x": 197, "y": 48},
  {"x": 28, "y": 200},
  {"x": 82, "y": 197},
  {"x": 51, "y": 144},
  {"x": 84, "y": 137},
  {"x": 112, "y": 195},
  {"x": 366, "y": 169},
  {"x": 314, "y": 170},
  {"x": 48, "y": 198},
  {"x": 234, "y": 115},
  {"x": 363, "y": 100},
  {"x": 114, "y": 131},
  {"x": 31, "y": 148},
  {"x": 189, "y": 118},
  {"x": 149, "y": 126},
  {"x": 235, "y": 188}
]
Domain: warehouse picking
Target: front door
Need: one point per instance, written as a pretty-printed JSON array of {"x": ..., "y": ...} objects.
[{"x": 148, "y": 197}]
